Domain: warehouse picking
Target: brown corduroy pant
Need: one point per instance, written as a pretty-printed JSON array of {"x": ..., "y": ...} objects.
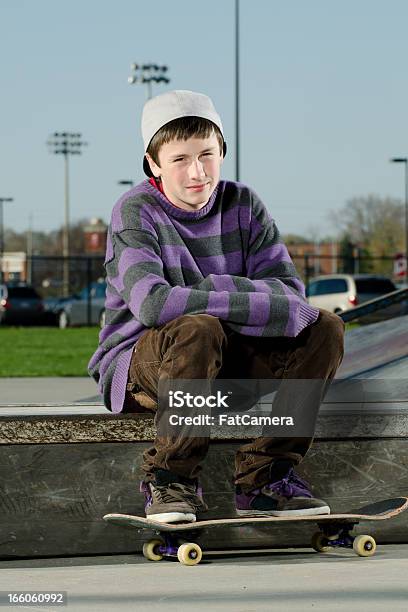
[{"x": 203, "y": 347}]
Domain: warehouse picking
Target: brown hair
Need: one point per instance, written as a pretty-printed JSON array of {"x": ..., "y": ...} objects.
[{"x": 183, "y": 129}]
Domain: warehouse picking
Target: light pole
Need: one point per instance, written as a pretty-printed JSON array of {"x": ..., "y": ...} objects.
[
  {"x": 66, "y": 143},
  {"x": 147, "y": 74},
  {"x": 404, "y": 160},
  {"x": 29, "y": 249},
  {"x": 237, "y": 168},
  {"x": 2, "y": 200}
]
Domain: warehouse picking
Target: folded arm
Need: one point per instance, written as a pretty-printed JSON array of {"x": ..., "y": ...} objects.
[{"x": 250, "y": 306}]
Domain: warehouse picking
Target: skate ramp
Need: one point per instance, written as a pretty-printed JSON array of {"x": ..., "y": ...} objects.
[{"x": 379, "y": 350}]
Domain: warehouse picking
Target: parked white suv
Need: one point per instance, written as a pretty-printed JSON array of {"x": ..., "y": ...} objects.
[{"x": 338, "y": 292}]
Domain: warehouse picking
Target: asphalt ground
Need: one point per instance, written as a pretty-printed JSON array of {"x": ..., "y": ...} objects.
[{"x": 292, "y": 579}]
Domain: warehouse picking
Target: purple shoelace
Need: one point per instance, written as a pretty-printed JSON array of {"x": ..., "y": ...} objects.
[
  {"x": 146, "y": 491},
  {"x": 290, "y": 486}
]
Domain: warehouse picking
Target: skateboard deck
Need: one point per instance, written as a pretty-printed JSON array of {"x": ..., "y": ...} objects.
[{"x": 334, "y": 529}]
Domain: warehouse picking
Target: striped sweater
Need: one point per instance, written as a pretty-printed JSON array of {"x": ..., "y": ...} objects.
[{"x": 226, "y": 260}]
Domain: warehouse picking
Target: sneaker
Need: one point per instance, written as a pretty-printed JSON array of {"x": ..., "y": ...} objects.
[
  {"x": 285, "y": 495},
  {"x": 172, "y": 499}
]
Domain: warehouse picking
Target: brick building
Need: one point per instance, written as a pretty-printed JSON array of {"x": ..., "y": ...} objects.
[
  {"x": 14, "y": 266},
  {"x": 95, "y": 237},
  {"x": 321, "y": 257}
]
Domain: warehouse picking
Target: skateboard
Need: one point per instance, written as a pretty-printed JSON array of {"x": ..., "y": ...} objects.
[{"x": 334, "y": 530}]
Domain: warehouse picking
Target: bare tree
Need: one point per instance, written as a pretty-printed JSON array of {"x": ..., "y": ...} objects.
[
  {"x": 373, "y": 223},
  {"x": 48, "y": 243}
]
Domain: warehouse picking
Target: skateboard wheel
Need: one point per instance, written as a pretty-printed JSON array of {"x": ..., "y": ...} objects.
[
  {"x": 150, "y": 550},
  {"x": 189, "y": 554},
  {"x": 320, "y": 542},
  {"x": 364, "y": 545}
]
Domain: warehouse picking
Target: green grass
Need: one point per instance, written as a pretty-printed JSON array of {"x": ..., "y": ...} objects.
[
  {"x": 46, "y": 351},
  {"x": 49, "y": 351},
  {"x": 352, "y": 324}
]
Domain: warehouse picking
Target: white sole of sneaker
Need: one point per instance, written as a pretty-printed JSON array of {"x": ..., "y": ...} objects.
[
  {"x": 172, "y": 517},
  {"x": 300, "y": 512}
]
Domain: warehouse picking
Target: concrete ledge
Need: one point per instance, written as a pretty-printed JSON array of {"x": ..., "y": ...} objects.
[{"x": 335, "y": 421}]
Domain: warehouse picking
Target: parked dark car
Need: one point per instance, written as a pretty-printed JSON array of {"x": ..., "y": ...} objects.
[
  {"x": 20, "y": 304},
  {"x": 73, "y": 310}
]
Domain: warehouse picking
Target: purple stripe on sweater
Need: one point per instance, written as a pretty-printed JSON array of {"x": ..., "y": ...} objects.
[
  {"x": 115, "y": 351},
  {"x": 126, "y": 260},
  {"x": 267, "y": 257},
  {"x": 293, "y": 306},
  {"x": 124, "y": 329},
  {"x": 259, "y": 309},
  {"x": 114, "y": 301},
  {"x": 141, "y": 289},
  {"x": 152, "y": 216},
  {"x": 143, "y": 254},
  {"x": 262, "y": 286},
  {"x": 213, "y": 226},
  {"x": 119, "y": 381},
  {"x": 96, "y": 357},
  {"x": 218, "y": 304},
  {"x": 223, "y": 282},
  {"x": 301, "y": 315},
  {"x": 175, "y": 304},
  {"x": 130, "y": 257}
]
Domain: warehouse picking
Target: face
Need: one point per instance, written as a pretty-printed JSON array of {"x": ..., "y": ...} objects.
[{"x": 189, "y": 170}]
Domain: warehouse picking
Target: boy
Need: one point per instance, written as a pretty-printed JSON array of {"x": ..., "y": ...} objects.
[{"x": 200, "y": 286}]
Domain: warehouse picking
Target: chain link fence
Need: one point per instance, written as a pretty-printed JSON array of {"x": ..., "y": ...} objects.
[
  {"x": 309, "y": 265},
  {"x": 46, "y": 273},
  {"x": 72, "y": 288},
  {"x": 57, "y": 278}
]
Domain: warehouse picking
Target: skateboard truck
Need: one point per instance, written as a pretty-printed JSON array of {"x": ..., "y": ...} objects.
[
  {"x": 338, "y": 535},
  {"x": 166, "y": 545}
]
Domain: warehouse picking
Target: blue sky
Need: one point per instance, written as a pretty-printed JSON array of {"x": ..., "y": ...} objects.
[{"x": 323, "y": 98}]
